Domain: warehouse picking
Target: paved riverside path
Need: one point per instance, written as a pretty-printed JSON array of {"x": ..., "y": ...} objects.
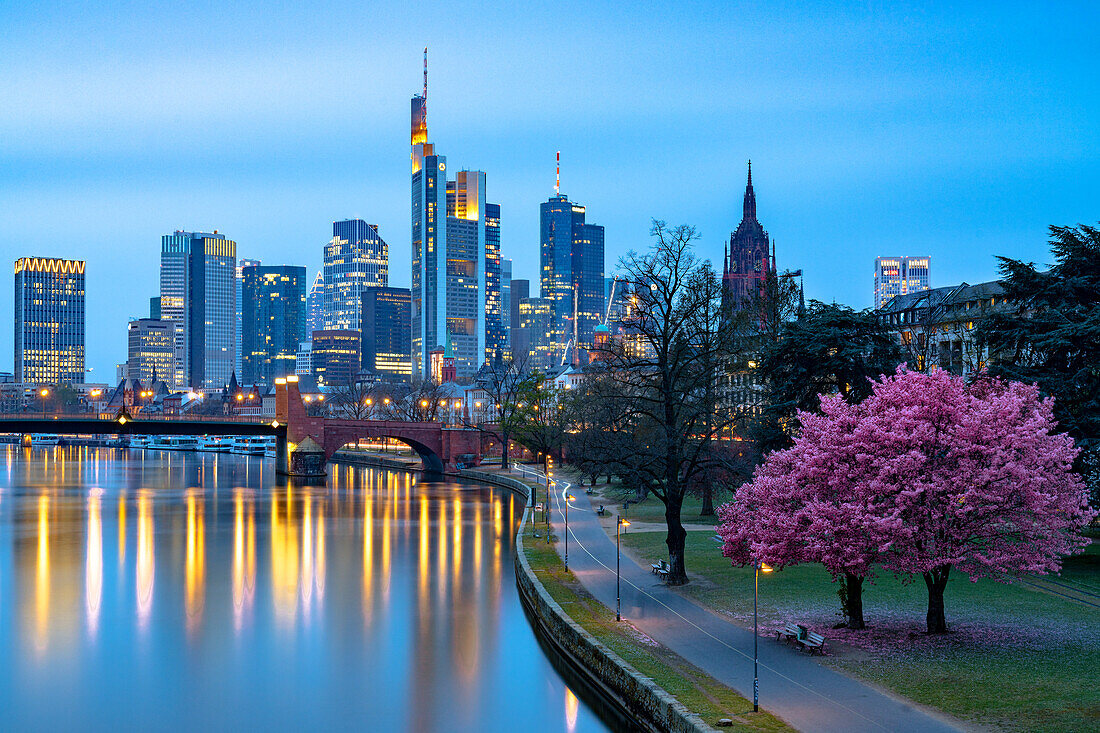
[{"x": 804, "y": 693}]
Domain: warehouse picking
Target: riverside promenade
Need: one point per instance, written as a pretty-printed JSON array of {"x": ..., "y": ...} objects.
[{"x": 793, "y": 686}]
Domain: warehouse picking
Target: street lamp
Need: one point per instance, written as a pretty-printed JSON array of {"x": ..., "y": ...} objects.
[
  {"x": 619, "y": 522},
  {"x": 568, "y": 498},
  {"x": 761, "y": 567}
]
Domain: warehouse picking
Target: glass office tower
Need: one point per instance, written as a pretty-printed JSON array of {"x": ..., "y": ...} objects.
[
  {"x": 356, "y": 258},
  {"x": 238, "y": 363},
  {"x": 386, "y": 323},
  {"x": 151, "y": 350},
  {"x": 274, "y": 308},
  {"x": 899, "y": 276},
  {"x": 571, "y": 258},
  {"x": 198, "y": 288},
  {"x": 49, "y": 320},
  {"x": 455, "y": 259}
]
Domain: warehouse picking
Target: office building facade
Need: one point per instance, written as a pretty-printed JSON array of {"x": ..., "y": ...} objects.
[
  {"x": 571, "y": 254},
  {"x": 151, "y": 350},
  {"x": 900, "y": 276},
  {"x": 455, "y": 259},
  {"x": 238, "y": 364},
  {"x": 315, "y": 306},
  {"x": 198, "y": 288},
  {"x": 356, "y": 258},
  {"x": 536, "y": 324},
  {"x": 386, "y": 341},
  {"x": 335, "y": 356},
  {"x": 49, "y": 320},
  {"x": 274, "y": 308}
]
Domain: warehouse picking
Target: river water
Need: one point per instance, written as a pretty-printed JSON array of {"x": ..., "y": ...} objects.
[{"x": 165, "y": 590}]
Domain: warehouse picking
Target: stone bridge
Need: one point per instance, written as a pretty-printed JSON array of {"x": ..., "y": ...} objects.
[{"x": 438, "y": 447}]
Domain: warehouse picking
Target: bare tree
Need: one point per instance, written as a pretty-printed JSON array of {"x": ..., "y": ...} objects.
[
  {"x": 425, "y": 403},
  {"x": 500, "y": 383},
  {"x": 664, "y": 378}
]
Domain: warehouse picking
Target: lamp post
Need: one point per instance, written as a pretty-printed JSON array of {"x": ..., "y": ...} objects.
[
  {"x": 568, "y": 498},
  {"x": 765, "y": 568},
  {"x": 619, "y": 522}
]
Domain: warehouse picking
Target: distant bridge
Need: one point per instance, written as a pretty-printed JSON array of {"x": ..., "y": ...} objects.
[{"x": 436, "y": 445}]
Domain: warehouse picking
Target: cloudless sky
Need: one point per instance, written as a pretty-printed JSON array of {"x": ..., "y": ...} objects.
[{"x": 874, "y": 129}]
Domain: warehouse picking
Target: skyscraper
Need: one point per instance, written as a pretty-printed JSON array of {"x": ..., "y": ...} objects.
[
  {"x": 335, "y": 356},
  {"x": 151, "y": 350},
  {"x": 899, "y": 276},
  {"x": 506, "y": 300},
  {"x": 571, "y": 259},
  {"x": 748, "y": 260},
  {"x": 49, "y": 320},
  {"x": 386, "y": 328},
  {"x": 198, "y": 289},
  {"x": 355, "y": 258},
  {"x": 238, "y": 364},
  {"x": 455, "y": 257},
  {"x": 274, "y": 305},
  {"x": 315, "y": 302}
]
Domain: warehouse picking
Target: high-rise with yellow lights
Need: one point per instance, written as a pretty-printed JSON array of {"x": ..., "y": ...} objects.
[
  {"x": 455, "y": 257},
  {"x": 49, "y": 320}
]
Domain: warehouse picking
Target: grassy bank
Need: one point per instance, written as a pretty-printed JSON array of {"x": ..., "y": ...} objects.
[
  {"x": 1018, "y": 658},
  {"x": 698, "y": 691}
]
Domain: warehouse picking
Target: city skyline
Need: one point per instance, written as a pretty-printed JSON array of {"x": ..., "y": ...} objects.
[{"x": 898, "y": 123}]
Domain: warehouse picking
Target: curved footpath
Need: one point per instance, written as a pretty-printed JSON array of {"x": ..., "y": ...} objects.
[{"x": 793, "y": 686}]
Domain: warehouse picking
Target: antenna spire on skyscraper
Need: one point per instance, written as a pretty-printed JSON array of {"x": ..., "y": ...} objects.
[{"x": 557, "y": 174}]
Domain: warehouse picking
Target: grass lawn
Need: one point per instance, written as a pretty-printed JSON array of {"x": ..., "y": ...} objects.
[
  {"x": 698, "y": 691},
  {"x": 652, "y": 510},
  {"x": 1017, "y": 658}
]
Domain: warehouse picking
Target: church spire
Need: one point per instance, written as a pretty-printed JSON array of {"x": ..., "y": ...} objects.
[{"x": 750, "y": 199}]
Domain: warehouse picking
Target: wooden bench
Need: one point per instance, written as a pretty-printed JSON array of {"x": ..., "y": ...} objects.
[
  {"x": 601, "y": 511},
  {"x": 812, "y": 642},
  {"x": 788, "y": 633}
]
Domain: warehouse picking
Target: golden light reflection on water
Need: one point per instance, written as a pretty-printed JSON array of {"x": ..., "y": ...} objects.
[
  {"x": 195, "y": 561},
  {"x": 93, "y": 562},
  {"x": 145, "y": 567},
  {"x": 42, "y": 576},
  {"x": 571, "y": 705}
]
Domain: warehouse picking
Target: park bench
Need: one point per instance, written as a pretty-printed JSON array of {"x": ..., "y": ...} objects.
[
  {"x": 660, "y": 568},
  {"x": 812, "y": 642},
  {"x": 601, "y": 511},
  {"x": 789, "y": 632}
]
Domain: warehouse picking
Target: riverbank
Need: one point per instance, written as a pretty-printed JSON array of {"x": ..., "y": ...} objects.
[{"x": 656, "y": 682}]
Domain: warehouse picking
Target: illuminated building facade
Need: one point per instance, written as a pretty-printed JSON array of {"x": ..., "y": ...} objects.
[
  {"x": 455, "y": 258},
  {"x": 335, "y": 356},
  {"x": 899, "y": 276},
  {"x": 238, "y": 364},
  {"x": 315, "y": 306},
  {"x": 748, "y": 259},
  {"x": 356, "y": 258},
  {"x": 198, "y": 288},
  {"x": 386, "y": 326},
  {"x": 536, "y": 317},
  {"x": 151, "y": 350},
  {"x": 571, "y": 259},
  {"x": 274, "y": 307},
  {"x": 49, "y": 320}
]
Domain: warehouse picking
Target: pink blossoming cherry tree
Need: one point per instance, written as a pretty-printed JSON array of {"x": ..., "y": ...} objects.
[{"x": 927, "y": 474}]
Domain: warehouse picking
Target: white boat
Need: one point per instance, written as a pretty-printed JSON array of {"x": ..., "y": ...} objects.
[
  {"x": 45, "y": 439},
  {"x": 215, "y": 444},
  {"x": 249, "y": 446},
  {"x": 139, "y": 442},
  {"x": 269, "y": 447},
  {"x": 174, "y": 442}
]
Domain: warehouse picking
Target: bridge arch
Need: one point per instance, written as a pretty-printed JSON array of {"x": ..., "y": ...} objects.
[{"x": 430, "y": 459}]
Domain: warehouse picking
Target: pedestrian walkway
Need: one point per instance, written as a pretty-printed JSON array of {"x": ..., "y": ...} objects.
[{"x": 804, "y": 693}]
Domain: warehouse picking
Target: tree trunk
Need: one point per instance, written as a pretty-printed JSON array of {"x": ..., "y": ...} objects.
[
  {"x": 708, "y": 500},
  {"x": 853, "y": 584},
  {"x": 676, "y": 539},
  {"x": 936, "y": 580},
  {"x": 504, "y": 454}
]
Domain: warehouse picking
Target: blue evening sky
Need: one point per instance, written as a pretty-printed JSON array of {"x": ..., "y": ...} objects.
[{"x": 874, "y": 128}]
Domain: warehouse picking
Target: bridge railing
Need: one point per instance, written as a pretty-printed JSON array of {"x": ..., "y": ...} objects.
[{"x": 139, "y": 417}]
